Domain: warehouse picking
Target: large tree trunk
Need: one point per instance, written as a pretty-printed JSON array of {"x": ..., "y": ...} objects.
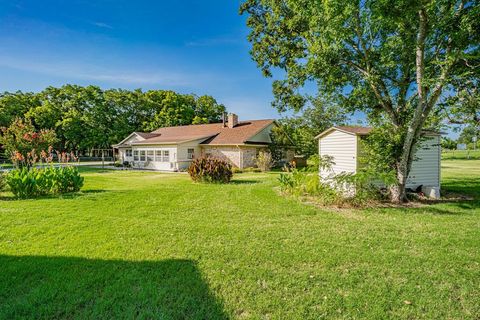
[
  {"x": 398, "y": 192},
  {"x": 413, "y": 128}
]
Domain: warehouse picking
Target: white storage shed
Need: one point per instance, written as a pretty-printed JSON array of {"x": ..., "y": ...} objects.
[{"x": 343, "y": 144}]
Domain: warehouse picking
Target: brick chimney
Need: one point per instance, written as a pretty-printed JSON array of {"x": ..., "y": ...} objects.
[
  {"x": 232, "y": 120},
  {"x": 224, "y": 119}
]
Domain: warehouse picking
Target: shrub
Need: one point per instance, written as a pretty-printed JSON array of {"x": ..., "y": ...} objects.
[
  {"x": 22, "y": 182},
  {"x": 210, "y": 170},
  {"x": 237, "y": 170},
  {"x": 343, "y": 189},
  {"x": 304, "y": 182},
  {"x": 2, "y": 181},
  {"x": 264, "y": 161},
  {"x": 67, "y": 179},
  {"x": 33, "y": 182}
]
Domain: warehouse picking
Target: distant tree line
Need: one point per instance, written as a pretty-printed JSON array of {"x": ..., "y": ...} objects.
[
  {"x": 469, "y": 136},
  {"x": 86, "y": 118}
]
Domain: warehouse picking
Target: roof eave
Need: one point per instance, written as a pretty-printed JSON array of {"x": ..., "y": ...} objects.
[
  {"x": 172, "y": 142},
  {"x": 271, "y": 121}
]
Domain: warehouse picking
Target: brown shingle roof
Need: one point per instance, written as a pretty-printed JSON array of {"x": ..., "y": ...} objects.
[
  {"x": 361, "y": 131},
  {"x": 213, "y": 133},
  {"x": 146, "y": 135}
]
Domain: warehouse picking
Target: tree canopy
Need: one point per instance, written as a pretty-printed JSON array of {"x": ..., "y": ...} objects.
[
  {"x": 89, "y": 117},
  {"x": 303, "y": 127},
  {"x": 392, "y": 59}
]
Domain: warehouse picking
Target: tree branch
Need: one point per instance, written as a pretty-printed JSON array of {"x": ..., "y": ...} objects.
[{"x": 377, "y": 84}]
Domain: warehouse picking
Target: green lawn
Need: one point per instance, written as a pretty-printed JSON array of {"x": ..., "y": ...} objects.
[
  {"x": 150, "y": 245},
  {"x": 461, "y": 154}
]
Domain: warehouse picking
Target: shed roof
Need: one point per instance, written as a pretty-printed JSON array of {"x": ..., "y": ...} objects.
[
  {"x": 355, "y": 130},
  {"x": 361, "y": 131}
]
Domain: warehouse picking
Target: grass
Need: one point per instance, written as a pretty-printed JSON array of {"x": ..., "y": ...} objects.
[
  {"x": 461, "y": 154},
  {"x": 151, "y": 245}
]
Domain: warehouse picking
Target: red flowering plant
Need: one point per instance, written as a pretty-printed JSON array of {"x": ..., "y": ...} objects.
[
  {"x": 24, "y": 145},
  {"x": 65, "y": 157},
  {"x": 27, "y": 147}
]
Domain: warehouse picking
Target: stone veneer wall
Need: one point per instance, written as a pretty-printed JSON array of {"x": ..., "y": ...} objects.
[
  {"x": 229, "y": 154},
  {"x": 244, "y": 157},
  {"x": 249, "y": 156}
]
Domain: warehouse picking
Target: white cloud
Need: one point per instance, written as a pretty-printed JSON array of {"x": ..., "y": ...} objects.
[
  {"x": 82, "y": 71},
  {"x": 102, "y": 25}
]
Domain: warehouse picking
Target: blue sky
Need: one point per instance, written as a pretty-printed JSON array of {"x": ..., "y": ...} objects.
[{"x": 188, "y": 46}]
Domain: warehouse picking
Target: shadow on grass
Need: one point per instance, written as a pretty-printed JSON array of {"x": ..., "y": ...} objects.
[
  {"x": 460, "y": 195},
  {"x": 463, "y": 186},
  {"x": 82, "y": 193},
  {"x": 453, "y": 208},
  {"x": 72, "y": 195},
  {"x": 38, "y": 287},
  {"x": 244, "y": 181}
]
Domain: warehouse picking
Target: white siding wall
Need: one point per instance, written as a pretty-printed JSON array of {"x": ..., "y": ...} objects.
[
  {"x": 122, "y": 155},
  {"x": 343, "y": 148},
  {"x": 426, "y": 169},
  {"x": 182, "y": 156},
  {"x": 170, "y": 165}
]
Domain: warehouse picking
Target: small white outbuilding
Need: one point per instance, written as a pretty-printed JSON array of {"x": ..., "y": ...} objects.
[{"x": 343, "y": 144}]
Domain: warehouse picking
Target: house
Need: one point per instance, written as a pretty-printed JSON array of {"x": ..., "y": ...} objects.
[
  {"x": 174, "y": 148},
  {"x": 344, "y": 145}
]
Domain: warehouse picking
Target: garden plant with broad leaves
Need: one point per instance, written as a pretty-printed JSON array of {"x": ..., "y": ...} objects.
[{"x": 35, "y": 173}]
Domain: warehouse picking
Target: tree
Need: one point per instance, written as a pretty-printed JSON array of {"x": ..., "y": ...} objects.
[
  {"x": 208, "y": 110},
  {"x": 391, "y": 59},
  {"x": 468, "y": 133},
  {"x": 463, "y": 106},
  {"x": 89, "y": 117},
  {"x": 15, "y": 105},
  {"x": 302, "y": 128},
  {"x": 169, "y": 109},
  {"x": 448, "y": 143}
]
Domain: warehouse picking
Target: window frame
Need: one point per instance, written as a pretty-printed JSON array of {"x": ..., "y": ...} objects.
[
  {"x": 166, "y": 156},
  {"x": 190, "y": 155},
  {"x": 136, "y": 155},
  {"x": 150, "y": 157},
  {"x": 158, "y": 155},
  {"x": 143, "y": 155}
]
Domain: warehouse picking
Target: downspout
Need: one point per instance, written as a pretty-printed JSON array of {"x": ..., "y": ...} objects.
[{"x": 240, "y": 158}]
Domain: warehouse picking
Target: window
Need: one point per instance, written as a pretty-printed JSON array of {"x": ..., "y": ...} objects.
[
  {"x": 142, "y": 155},
  {"x": 158, "y": 155},
  {"x": 166, "y": 156},
  {"x": 128, "y": 152},
  {"x": 135, "y": 155},
  {"x": 190, "y": 153},
  {"x": 150, "y": 155}
]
